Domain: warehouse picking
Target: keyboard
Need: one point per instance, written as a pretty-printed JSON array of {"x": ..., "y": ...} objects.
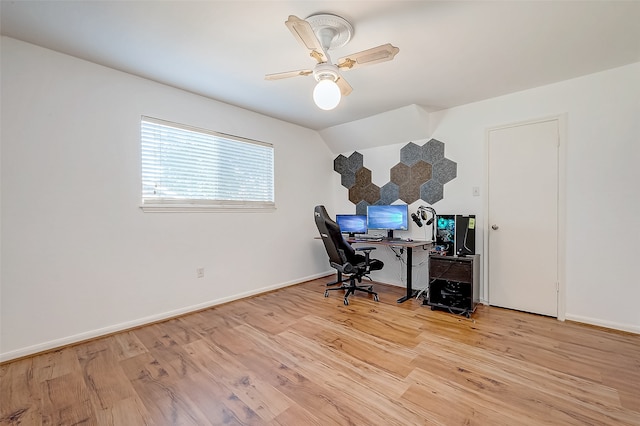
[{"x": 367, "y": 239}]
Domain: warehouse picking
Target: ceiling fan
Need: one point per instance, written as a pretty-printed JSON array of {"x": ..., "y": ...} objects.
[{"x": 318, "y": 34}]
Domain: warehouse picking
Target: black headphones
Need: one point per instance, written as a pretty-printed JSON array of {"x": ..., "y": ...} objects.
[
  {"x": 422, "y": 211},
  {"x": 423, "y": 215}
]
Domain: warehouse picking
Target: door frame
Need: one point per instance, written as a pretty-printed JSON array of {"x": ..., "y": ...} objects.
[{"x": 562, "y": 157}]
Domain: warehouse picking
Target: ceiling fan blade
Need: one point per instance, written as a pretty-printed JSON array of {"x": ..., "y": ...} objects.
[
  {"x": 385, "y": 52},
  {"x": 287, "y": 74},
  {"x": 303, "y": 32},
  {"x": 345, "y": 88}
]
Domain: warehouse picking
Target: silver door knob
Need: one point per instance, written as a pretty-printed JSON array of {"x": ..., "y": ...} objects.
[{"x": 494, "y": 227}]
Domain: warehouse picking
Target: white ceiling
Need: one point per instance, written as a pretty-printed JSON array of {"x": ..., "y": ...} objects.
[{"x": 451, "y": 52}]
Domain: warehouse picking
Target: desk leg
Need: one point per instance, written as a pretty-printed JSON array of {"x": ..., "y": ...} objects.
[
  {"x": 337, "y": 281},
  {"x": 410, "y": 292}
]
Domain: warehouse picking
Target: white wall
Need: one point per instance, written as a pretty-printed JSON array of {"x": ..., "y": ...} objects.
[
  {"x": 602, "y": 171},
  {"x": 79, "y": 258},
  {"x": 406, "y": 123}
]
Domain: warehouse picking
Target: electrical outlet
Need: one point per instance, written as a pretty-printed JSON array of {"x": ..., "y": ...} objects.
[{"x": 200, "y": 272}]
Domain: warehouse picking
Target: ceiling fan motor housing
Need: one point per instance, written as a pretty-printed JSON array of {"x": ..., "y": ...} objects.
[{"x": 326, "y": 71}]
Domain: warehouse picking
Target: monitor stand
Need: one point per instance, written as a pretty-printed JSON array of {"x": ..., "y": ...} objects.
[{"x": 390, "y": 236}]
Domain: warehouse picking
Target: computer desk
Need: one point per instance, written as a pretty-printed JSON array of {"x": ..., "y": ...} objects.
[{"x": 408, "y": 245}]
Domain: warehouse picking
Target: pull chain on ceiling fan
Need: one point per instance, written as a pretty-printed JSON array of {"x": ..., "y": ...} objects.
[{"x": 320, "y": 33}]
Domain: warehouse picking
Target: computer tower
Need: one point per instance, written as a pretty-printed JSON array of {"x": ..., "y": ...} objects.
[
  {"x": 465, "y": 235},
  {"x": 446, "y": 234},
  {"x": 456, "y": 234}
]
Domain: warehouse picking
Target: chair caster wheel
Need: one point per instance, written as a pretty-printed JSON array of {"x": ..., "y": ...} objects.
[
  {"x": 433, "y": 308},
  {"x": 466, "y": 314},
  {"x": 326, "y": 294},
  {"x": 346, "y": 301},
  {"x": 370, "y": 288},
  {"x": 375, "y": 298}
]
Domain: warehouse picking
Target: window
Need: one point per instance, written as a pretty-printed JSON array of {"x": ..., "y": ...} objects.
[{"x": 187, "y": 169}]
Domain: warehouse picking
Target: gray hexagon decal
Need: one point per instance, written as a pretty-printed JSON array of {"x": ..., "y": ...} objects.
[
  {"x": 389, "y": 193},
  {"x": 445, "y": 170},
  {"x": 433, "y": 151},
  {"x": 341, "y": 164},
  {"x": 431, "y": 192},
  {"x": 356, "y": 161},
  {"x": 410, "y": 154},
  {"x": 361, "y": 207}
]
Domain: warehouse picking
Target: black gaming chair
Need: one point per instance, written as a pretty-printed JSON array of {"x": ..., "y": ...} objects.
[{"x": 343, "y": 257}]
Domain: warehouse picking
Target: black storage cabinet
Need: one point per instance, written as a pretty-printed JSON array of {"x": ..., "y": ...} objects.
[{"x": 453, "y": 283}]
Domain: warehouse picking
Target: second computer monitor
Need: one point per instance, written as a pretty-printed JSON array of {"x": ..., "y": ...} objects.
[
  {"x": 352, "y": 223},
  {"x": 393, "y": 217}
]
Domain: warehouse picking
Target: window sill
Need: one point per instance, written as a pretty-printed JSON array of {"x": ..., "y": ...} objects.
[{"x": 207, "y": 208}]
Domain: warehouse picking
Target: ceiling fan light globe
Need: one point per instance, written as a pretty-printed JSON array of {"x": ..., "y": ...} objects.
[{"x": 326, "y": 95}]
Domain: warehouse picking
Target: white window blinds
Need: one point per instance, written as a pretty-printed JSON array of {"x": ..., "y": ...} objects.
[{"x": 185, "y": 166}]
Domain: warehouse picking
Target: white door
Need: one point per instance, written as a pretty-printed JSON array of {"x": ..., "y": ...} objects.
[{"x": 523, "y": 217}]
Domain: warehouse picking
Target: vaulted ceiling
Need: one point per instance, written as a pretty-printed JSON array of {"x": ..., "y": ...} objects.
[{"x": 451, "y": 52}]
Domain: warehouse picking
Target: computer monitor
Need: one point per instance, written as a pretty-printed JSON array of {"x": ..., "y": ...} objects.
[
  {"x": 352, "y": 223},
  {"x": 393, "y": 217}
]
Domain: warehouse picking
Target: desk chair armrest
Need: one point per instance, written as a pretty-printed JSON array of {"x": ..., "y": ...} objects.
[
  {"x": 367, "y": 251},
  {"x": 346, "y": 268}
]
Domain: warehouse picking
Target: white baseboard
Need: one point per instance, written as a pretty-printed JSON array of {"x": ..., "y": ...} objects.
[
  {"x": 93, "y": 334},
  {"x": 593, "y": 321},
  {"x": 602, "y": 323}
]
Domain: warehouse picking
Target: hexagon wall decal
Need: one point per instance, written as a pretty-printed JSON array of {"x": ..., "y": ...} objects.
[
  {"x": 364, "y": 189},
  {"x": 420, "y": 174},
  {"x": 371, "y": 193},
  {"x": 433, "y": 151},
  {"x": 409, "y": 179},
  {"x": 399, "y": 174},
  {"x": 389, "y": 193},
  {"x": 361, "y": 207},
  {"x": 341, "y": 164},
  {"x": 431, "y": 192},
  {"x": 410, "y": 154},
  {"x": 347, "y": 167},
  {"x": 444, "y": 170},
  {"x": 348, "y": 180}
]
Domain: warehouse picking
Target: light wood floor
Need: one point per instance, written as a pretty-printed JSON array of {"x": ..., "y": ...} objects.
[{"x": 293, "y": 357}]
